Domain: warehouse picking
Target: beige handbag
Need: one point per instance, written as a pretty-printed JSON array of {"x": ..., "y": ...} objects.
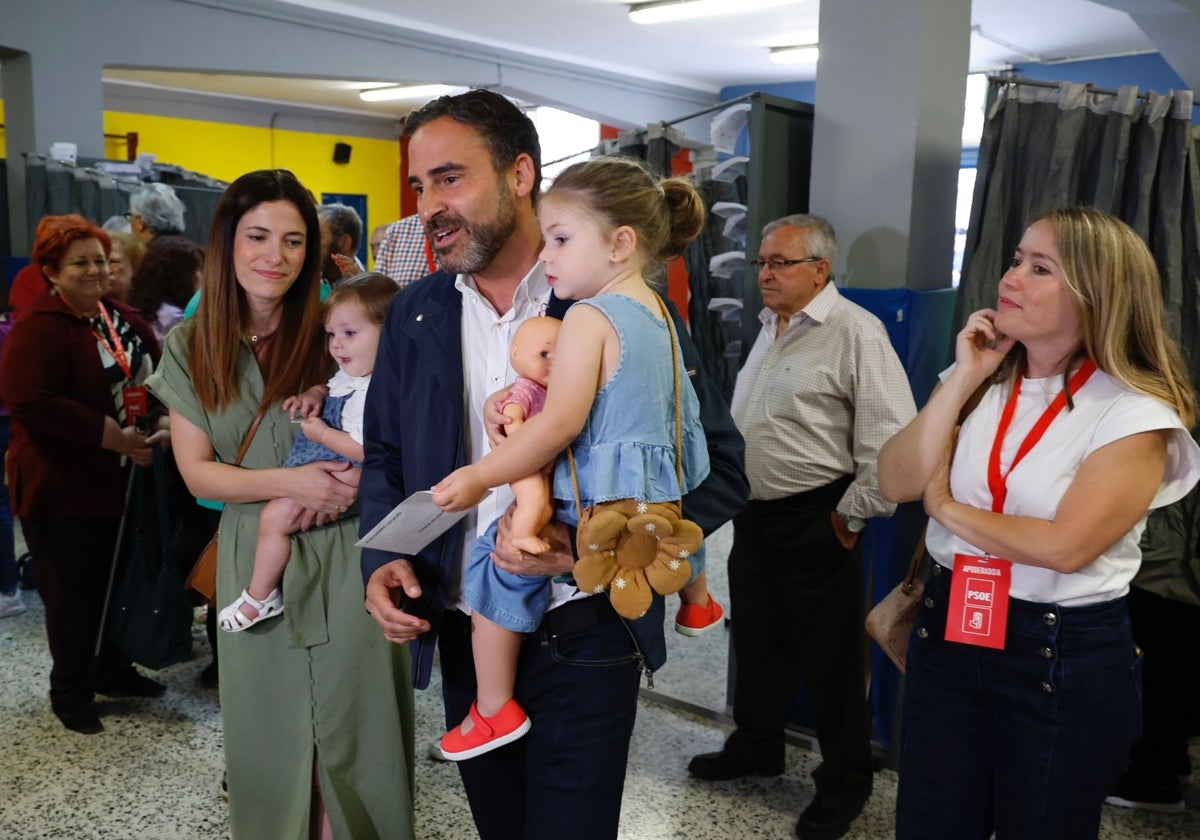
[{"x": 891, "y": 621}]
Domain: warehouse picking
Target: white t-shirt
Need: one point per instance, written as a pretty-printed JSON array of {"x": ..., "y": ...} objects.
[{"x": 1105, "y": 411}]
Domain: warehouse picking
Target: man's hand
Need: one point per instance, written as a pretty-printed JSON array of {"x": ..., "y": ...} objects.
[
  {"x": 460, "y": 490},
  {"x": 845, "y": 536},
  {"x": 495, "y": 420},
  {"x": 386, "y": 588},
  {"x": 557, "y": 561}
]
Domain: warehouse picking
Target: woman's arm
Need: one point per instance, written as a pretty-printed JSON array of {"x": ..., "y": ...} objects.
[
  {"x": 584, "y": 342},
  {"x": 1110, "y": 494},
  {"x": 907, "y": 462},
  {"x": 312, "y": 485}
]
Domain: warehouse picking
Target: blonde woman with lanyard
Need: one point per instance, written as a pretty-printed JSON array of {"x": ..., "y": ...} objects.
[
  {"x": 72, "y": 375},
  {"x": 1022, "y": 696}
]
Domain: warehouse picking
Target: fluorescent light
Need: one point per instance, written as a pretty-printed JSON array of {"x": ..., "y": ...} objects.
[
  {"x": 806, "y": 54},
  {"x": 411, "y": 92},
  {"x": 664, "y": 11}
]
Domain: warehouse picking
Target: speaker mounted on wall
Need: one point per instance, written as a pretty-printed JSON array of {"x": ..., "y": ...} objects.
[{"x": 341, "y": 152}]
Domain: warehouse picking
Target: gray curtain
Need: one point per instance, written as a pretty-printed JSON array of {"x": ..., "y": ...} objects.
[
  {"x": 1065, "y": 145},
  {"x": 53, "y": 189}
]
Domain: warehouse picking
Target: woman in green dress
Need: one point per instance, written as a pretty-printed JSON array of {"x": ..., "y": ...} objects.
[{"x": 317, "y": 708}]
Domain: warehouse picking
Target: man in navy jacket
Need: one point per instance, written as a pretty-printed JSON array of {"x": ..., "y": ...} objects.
[{"x": 474, "y": 161}]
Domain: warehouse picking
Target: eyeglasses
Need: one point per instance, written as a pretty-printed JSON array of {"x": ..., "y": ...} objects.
[{"x": 778, "y": 264}]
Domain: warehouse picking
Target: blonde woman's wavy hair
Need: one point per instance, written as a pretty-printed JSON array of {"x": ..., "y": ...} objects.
[{"x": 1115, "y": 283}]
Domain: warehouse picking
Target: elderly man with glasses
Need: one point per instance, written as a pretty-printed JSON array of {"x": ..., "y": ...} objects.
[{"x": 820, "y": 393}]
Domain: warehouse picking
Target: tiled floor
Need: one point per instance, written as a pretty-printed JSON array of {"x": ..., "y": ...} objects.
[{"x": 154, "y": 772}]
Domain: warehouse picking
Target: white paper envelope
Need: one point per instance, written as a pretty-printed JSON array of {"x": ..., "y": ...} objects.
[{"x": 411, "y": 525}]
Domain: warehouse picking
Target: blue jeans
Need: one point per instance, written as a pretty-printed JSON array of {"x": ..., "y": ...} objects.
[
  {"x": 8, "y": 557},
  {"x": 577, "y": 678},
  {"x": 1025, "y": 741}
]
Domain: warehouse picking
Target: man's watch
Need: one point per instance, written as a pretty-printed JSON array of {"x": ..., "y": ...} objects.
[{"x": 854, "y": 524}]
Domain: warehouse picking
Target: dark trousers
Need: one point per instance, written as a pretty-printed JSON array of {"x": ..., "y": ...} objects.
[
  {"x": 797, "y": 607},
  {"x": 71, "y": 562},
  {"x": 577, "y": 679},
  {"x": 1169, "y": 632},
  {"x": 1025, "y": 741}
]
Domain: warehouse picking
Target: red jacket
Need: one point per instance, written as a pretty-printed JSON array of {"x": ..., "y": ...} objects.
[{"x": 53, "y": 382}]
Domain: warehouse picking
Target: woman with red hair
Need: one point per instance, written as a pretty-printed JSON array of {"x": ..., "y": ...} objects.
[{"x": 72, "y": 375}]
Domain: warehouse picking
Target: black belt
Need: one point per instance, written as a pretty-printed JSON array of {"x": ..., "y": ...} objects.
[{"x": 578, "y": 616}]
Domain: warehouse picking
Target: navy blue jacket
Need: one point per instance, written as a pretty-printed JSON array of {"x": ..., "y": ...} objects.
[{"x": 415, "y": 435}]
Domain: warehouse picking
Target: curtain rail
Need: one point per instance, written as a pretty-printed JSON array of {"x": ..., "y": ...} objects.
[
  {"x": 1017, "y": 80},
  {"x": 720, "y": 106}
]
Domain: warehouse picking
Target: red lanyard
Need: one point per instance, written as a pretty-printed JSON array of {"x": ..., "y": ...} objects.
[
  {"x": 998, "y": 483},
  {"x": 117, "y": 349}
]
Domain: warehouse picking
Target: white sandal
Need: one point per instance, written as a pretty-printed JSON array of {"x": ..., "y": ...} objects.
[{"x": 232, "y": 619}]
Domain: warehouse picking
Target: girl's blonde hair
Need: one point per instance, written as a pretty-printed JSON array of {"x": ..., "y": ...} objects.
[
  {"x": 373, "y": 292},
  {"x": 667, "y": 214},
  {"x": 1115, "y": 283}
]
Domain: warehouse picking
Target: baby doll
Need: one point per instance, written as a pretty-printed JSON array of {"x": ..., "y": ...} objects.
[{"x": 531, "y": 351}]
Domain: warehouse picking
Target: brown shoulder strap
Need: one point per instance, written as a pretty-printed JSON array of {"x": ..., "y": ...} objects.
[{"x": 246, "y": 440}]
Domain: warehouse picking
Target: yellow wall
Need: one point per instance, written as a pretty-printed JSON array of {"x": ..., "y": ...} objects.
[{"x": 225, "y": 151}]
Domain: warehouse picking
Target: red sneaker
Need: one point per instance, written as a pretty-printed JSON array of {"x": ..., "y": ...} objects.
[
  {"x": 692, "y": 620},
  {"x": 487, "y": 734}
]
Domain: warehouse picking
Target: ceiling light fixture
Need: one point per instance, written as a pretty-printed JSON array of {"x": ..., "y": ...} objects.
[
  {"x": 665, "y": 11},
  {"x": 389, "y": 94},
  {"x": 803, "y": 54}
]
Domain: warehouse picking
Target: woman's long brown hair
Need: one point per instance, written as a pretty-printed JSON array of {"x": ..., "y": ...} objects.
[{"x": 296, "y": 357}]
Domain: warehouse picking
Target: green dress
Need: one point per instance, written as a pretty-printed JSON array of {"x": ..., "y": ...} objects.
[{"x": 320, "y": 680}]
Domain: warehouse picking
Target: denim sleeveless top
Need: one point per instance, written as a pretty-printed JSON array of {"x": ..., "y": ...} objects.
[
  {"x": 626, "y": 449},
  {"x": 305, "y": 451}
]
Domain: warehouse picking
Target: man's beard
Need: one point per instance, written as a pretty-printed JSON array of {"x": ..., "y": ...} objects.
[{"x": 480, "y": 242}]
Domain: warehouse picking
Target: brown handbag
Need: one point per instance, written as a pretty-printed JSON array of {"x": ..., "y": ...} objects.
[
  {"x": 203, "y": 576},
  {"x": 890, "y": 622},
  {"x": 632, "y": 549}
]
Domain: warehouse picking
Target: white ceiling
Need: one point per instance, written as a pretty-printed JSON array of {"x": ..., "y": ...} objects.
[{"x": 704, "y": 54}]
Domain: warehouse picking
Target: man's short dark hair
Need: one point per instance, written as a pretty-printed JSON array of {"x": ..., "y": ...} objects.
[
  {"x": 343, "y": 221},
  {"x": 505, "y": 128}
]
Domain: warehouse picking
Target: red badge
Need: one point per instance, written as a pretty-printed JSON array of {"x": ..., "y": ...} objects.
[
  {"x": 978, "y": 610},
  {"x": 137, "y": 403}
]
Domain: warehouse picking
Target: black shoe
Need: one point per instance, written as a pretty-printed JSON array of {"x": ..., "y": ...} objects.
[
  {"x": 721, "y": 766},
  {"x": 131, "y": 684},
  {"x": 209, "y": 678},
  {"x": 1132, "y": 791},
  {"x": 81, "y": 719},
  {"x": 822, "y": 820}
]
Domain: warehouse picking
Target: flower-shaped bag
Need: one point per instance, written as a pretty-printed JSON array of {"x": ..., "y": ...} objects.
[{"x": 632, "y": 549}]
